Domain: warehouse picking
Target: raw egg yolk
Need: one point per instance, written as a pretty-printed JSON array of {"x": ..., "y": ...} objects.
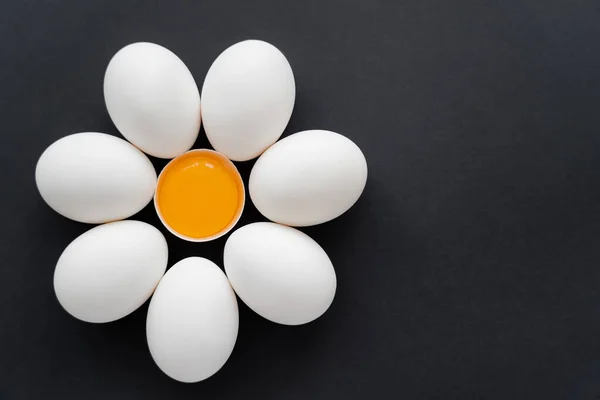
[{"x": 199, "y": 194}]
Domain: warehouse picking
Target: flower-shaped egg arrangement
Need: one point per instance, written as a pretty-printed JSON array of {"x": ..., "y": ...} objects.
[{"x": 282, "y": 274}]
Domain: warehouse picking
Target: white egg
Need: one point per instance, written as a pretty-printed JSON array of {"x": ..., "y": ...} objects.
[
  {"x": 110, "y": 270},
  {"x": 192, "y": 322},
  {"x": 152, "y": 99},
  {"x": 247, "y": 99},
  {"x": 308, "y": 178},
  {"x": 93, "y": 177},
  {"x": 279, "y": 272}
]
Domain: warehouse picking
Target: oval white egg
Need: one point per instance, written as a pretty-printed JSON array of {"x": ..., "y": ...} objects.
[
  {"x": 152, "y": 99},
  {"x": 279, "y": 272},
  {"x": 308, "y": 178},
  {"x": 247, "y": 99},
  {"x": 110, "y": 270},
  {"x": 94, "y": 178},
  {"x": 192, "y": 321}
]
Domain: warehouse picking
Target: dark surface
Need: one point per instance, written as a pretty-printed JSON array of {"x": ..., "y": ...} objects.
[{"x": 469, "y": 269}]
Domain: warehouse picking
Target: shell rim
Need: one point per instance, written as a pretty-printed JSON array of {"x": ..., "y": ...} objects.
[{"x": 229, "y": 226}]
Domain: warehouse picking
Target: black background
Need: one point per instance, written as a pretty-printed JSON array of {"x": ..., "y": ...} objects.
[{"x": 469, "y": 269}]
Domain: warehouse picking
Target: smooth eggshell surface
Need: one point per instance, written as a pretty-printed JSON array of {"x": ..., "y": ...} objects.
[
  {"x": 247, "y": 99},
  {"x": 152, "y": 99},
  {"x": 94, "y": 178},
  {"x": 308, "y": 178},
  {"x": 279, "y": 272},
  {"x": 192, "y": 322},
  {"x": 110, "y": 270}
]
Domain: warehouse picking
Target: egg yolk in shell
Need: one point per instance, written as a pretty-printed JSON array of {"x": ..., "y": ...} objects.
[{"x": 199, "y": 195}]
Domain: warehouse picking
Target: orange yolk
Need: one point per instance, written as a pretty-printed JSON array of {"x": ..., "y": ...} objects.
[{"x": 199, "y": 194}]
